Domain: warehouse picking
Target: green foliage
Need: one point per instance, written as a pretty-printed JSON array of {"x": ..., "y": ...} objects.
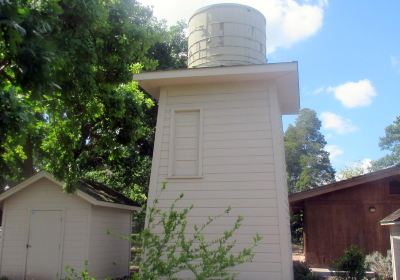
[
  {"x": 381, "y": 265},
  {"x": 307, "y": 162},
  {"x": 171, "y": 52},
  {"x": 72, "y": 274},
  {"x": 169, "y": 249},
  {"x": 302, "y": 271},
  {"x": 67, "y": 102},
  {"x": 350, "y": 171},
  {"x": 297, "y": 227},
  {"x": 391, "y": 143},
  {"x": 351, "y": 266}
]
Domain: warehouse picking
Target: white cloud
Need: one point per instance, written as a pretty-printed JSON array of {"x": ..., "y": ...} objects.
[
  {"x": 288, "y": 21},
  {"x": 395, "y": 61},
  {"x": 334, "y": 151},
  {"x": 354, "y": 94},
  {"x": 319, "y": 90},
  {"x": 366, "y": 165},
  {"x": 338, "y": 124}
]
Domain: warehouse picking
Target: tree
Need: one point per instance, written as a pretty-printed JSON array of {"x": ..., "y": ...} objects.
[
  {"x": 307, "y": 162},
  {"x": 68, "y": 103},
  {"x": 348, "y": 172},
  {"x": 355, "y": 169},
  {"x": 391, "y": 143},
  {"x": 171, "y": 52}
]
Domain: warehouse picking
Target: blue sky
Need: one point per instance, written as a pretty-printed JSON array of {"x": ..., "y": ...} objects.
[{"x": 349, "y": 64}]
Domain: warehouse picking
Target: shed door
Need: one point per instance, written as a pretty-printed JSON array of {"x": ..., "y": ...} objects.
[{"x": 44, "y": 245}]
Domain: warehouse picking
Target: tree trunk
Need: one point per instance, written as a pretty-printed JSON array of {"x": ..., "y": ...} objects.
[{"x": 27, "y": 165}]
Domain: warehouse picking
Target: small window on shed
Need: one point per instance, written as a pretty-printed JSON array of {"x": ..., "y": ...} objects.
[
  {"x": 394, "y": 187},
  {"x": 185, "y": 144}
]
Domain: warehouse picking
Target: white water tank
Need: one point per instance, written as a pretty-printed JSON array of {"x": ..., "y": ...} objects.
[{"x": 226, "y": 35}]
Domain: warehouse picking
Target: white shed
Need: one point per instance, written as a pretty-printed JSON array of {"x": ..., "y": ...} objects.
[
  {"x": 393, "y": 221},
  {"x": 45, "y": 229}
]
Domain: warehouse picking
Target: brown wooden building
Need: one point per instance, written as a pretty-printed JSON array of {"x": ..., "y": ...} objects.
[{"x": 347, "y": 213}]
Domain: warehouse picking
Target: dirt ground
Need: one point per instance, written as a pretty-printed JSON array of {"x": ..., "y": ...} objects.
[{"x": 297, "y": 253}]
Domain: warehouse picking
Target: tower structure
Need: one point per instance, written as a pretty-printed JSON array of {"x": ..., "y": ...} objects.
[{"x": 219, "y": 137}]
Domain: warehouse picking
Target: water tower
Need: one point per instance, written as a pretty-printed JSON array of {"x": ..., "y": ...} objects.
[{"x": 219, "y": 136}]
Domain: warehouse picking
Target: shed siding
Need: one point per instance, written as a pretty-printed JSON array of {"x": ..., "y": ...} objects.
[
  {"x": 395, "y": 246},
  {"x": 16, "y": 223},
  {"x": 109, "y": 247},
  {"x": 239, "y": 169},
  {"x": 336, "y": 220}
]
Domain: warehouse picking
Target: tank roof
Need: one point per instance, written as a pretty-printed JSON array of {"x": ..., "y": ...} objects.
[{"x": 223, "y": 5}]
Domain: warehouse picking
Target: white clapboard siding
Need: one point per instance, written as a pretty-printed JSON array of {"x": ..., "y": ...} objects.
[
  {"x": 233, "y": 194},
  {"x": 241, "y": 127},
  {"x": 16, "y": 217},
  {"x": 84, "y": 234},
  {"x": 109, "y": 245},
  {"x": 237, "y": 211}
]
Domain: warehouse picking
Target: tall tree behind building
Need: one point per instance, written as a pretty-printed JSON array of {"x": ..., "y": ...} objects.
[
  {"x": 307, "y": 162},
  {"x": 391, "y": 143}
]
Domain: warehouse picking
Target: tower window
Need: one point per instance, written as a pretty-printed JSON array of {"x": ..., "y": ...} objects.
[{"x": 185, "y": 143}]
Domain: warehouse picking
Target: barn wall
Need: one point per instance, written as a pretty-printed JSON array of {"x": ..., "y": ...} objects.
[
  {"x": 339, "y": 219},
  {"x": 109, "y": 251},
  {"x": 240, "y": 168},
  {"x": 42, "y": 195}
]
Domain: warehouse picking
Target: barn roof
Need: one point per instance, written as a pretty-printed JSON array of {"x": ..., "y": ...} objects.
[
  {"x": 93, "y": 192},
  {"x": 393, "y": 218},
  {"x": 299, "y": 197}
]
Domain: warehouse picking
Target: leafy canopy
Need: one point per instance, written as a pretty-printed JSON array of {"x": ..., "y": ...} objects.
[
  {"x": 68, "y": 103},
  {"x": 391, "y": 143},
  {"x": 307, "y": 162}
]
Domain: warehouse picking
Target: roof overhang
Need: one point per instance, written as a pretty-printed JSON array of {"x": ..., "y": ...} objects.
[
  {"x": 297, "y": 199},
  {"x": 389, "y": 223},
  {"x": 284, "y": 75},
  {"x": 391, "y": 219},
  {"x": 45, "y": 175}
]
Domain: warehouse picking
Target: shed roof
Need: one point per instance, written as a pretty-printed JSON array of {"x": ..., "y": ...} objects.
[
  {"x": 103, "y": 193},
  {"x": 344, "y": 184},
  {"x": 392, "y": 219},
  {"x": 285, "y": 75},
  {"x": 93, "y": 192}
]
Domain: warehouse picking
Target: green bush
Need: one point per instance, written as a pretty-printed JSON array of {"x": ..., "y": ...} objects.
[
  {"x": 170, "y": 250},
  {"x": 297, "y": 228},
  {"x": 351, "y": 266},
  {"x": 381, "y": 265},
  {"x": 302, "y": 271},
  {"x": 72, "y": 274}
]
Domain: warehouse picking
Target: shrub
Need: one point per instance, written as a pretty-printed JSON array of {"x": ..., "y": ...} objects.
[
  {"x": 173, "y": 250},
  {"x": 302, "y": 271},
  {"x": 297, "y": 228},
  {"x": 72, "y": 274},
  {"x": 351, "y": 265},
  {"x": 381, "y": 265}
]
